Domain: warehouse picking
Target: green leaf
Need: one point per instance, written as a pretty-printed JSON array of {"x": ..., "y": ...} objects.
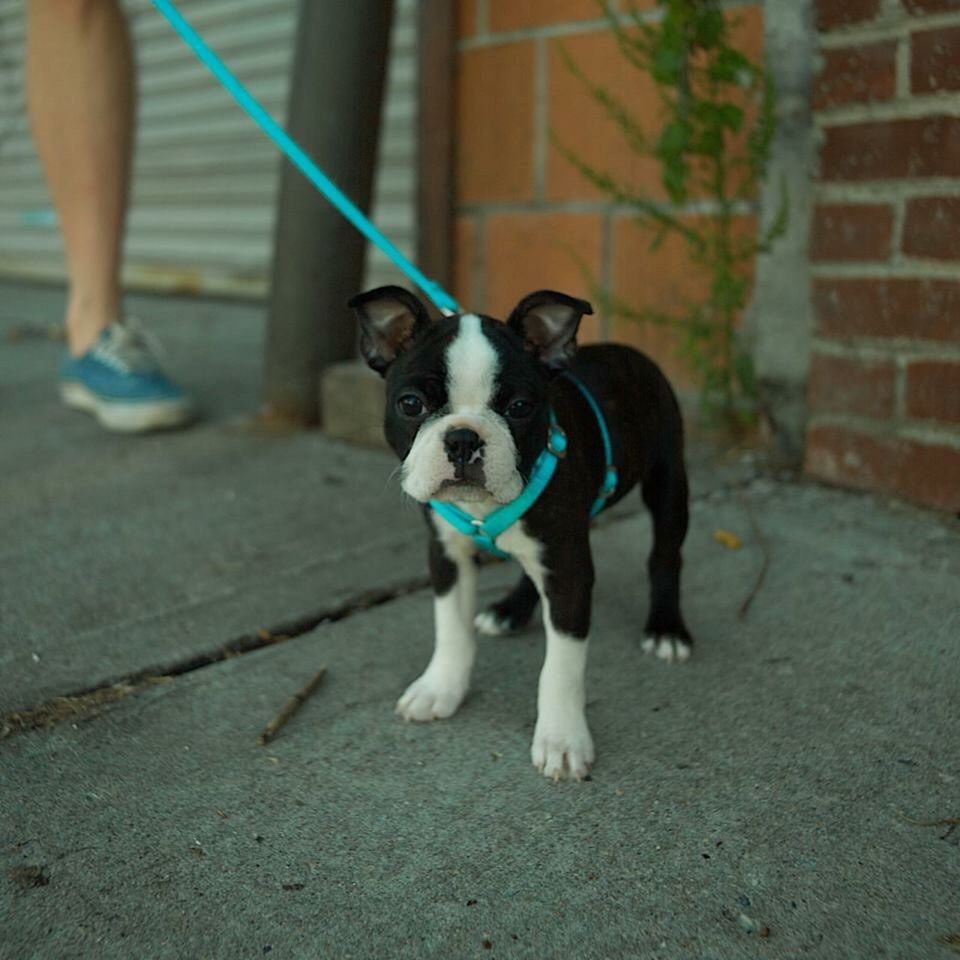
[
  {"x": 731, "y": 116},
  {"x": 673, "y": 139},
  {"x": 708, "y": 26},
  {"x": 745, "y": 372},
  {"x": 667, "y": 66},
  {"x": 674, "y": 179},
  {"x": 709, "y": 143},
  {"x": 729, "y": 65},
  {"x": 761, "y": 136}
]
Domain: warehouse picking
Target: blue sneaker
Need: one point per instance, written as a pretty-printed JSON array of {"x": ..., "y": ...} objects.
[{"x": 120, "y": 382}]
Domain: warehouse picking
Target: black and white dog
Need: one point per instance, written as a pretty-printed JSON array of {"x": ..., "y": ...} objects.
[{"x": 469, "y": 407}]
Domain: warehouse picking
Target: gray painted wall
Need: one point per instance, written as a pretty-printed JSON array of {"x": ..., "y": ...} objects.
[{"x": 780, "y": 315}]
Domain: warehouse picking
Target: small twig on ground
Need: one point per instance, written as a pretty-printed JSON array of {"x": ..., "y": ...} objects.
[
  {"x": 290, "y": 708},
  {"x": 765, "y": 552},
  {"x": 946, "y": 822},
  {"x": 951, "y": 940}
]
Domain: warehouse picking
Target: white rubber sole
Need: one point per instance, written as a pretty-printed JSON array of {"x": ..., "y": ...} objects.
[{"x": 122, "y": 417}]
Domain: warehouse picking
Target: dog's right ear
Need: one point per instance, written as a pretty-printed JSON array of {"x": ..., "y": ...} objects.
[
  {"x": 546, "y": 322},
  {"x": 390, "y": 318}
]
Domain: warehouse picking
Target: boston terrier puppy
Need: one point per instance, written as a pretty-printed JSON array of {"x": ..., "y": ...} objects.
[{"x": 480, "y": 412}]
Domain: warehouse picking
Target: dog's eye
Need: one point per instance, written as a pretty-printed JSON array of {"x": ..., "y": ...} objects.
[
  {"x": 410, "y": 405},
  {"x": 518, "y": 409}
]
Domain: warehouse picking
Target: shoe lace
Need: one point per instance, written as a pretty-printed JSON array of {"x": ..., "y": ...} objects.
[{"x": 128, "y": 347}]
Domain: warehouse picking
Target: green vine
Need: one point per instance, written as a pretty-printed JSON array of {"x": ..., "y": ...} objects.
[{"x": 718, "y": 122}]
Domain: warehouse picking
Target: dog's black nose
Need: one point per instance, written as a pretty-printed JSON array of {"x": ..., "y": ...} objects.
[{"x": 463, "y": 447}]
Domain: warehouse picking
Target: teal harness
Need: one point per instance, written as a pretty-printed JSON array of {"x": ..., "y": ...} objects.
[{"x": 484, "y": 532}]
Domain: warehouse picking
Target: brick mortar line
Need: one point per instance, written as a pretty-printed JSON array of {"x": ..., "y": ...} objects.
[
  {"x": 915, "y": 430},
  {"x": 883, "y": 191},
  {"x": 695, "y": 208},
  {"x": 739, "y": 208},
  {"x": 489, "y": 38},
  {"x": 829, "y": 264},
  {"x": 918, "y": 107},
  {"x": 859, "y": 34},
  {"x": 885, "y": 349},
  {"x": 909, "y": 269},
  {"x": 900, "y": 389},
  {"x": 901, "y": 60},
  {"x": 567, "y": 29},
  {"x": 897, "y": 257}
]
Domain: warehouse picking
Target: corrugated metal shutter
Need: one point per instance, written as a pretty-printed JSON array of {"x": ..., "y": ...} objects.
[{"x": 205, "y": 179}]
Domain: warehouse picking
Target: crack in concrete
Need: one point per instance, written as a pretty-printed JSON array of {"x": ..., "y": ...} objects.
[{"x": 88, "y": 703}]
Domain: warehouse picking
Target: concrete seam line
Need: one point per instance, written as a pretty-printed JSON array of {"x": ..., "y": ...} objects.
[{"x": 86, "y": 703}]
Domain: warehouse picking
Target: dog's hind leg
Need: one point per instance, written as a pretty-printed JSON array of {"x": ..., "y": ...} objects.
[
  {"x": 666, "y": 494},
  {"x": 512, "y": 613}
]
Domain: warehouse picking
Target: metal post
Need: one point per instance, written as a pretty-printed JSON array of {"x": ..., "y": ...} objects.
[{"x": 334, "y": 114}]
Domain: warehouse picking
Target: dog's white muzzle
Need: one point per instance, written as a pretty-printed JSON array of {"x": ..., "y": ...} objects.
[{"x": 427, "y": 467}]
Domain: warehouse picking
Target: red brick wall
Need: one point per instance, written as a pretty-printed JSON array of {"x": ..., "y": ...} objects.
[
  {"x": 884, "y": 388},
  {"x": 526, "y": 217}
]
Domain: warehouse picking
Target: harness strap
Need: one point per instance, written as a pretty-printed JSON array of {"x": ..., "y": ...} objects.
[{"x": 610, "y": 476}]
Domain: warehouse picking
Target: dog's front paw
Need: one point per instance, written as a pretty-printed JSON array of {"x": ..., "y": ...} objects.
[
  {"x": 669, "y": 648},
  {"x": 562, "y": 748},
  {"x": 434, "y": 696}
]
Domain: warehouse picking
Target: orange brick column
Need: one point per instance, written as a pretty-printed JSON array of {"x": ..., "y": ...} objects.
[
  {"x": 526, "y": 217},
  {"x": 884, "y": 389}
]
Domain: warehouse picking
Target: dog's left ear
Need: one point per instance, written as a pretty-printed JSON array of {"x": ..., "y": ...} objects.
[
  {"x": 390, "y": 318},
  {"x": 546, "y": 322}
]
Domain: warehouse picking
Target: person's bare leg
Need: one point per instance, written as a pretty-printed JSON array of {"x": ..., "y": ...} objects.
[{"x": 80, "y": 97}]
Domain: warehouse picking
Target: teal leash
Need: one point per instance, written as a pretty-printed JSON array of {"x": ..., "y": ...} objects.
[{"x": 296, "y": 155}]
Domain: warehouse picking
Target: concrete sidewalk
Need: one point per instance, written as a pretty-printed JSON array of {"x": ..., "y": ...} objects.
[{"x": 785, "y": 794}]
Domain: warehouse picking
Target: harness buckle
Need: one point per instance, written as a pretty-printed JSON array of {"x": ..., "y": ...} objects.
[
  {"x": 557, "y": 441},
  {"x": 610, "y": 481}
]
